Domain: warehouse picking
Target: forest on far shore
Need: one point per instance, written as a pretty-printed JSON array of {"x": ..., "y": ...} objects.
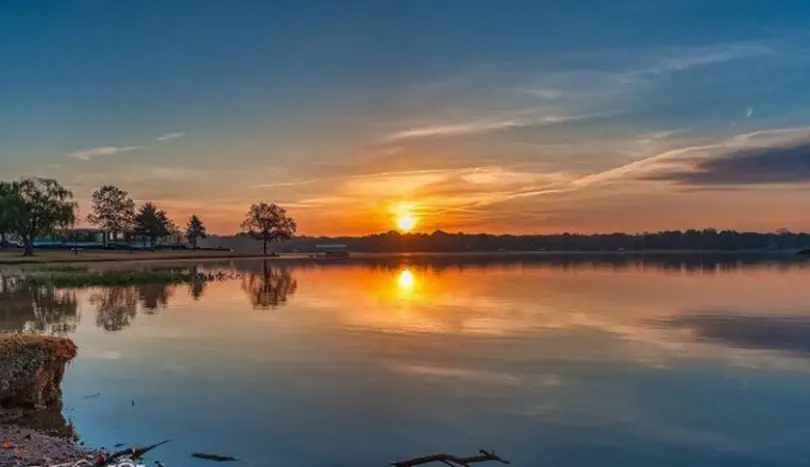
[{"x": 706, "y": 239}]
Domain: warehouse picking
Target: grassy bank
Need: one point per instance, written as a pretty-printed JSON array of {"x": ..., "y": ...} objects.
[
  {"x": 117, "y": 277},
  {"x": 14, "y": 258}
]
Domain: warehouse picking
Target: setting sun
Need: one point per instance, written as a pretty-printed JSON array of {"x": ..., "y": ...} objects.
[{"x": 406, "y": 223}]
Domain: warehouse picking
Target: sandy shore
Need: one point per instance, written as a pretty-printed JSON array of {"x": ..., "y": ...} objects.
[{"x": 26, "y": 447}]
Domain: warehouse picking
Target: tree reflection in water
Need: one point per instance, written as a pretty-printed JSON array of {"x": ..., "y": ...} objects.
[
  {"x": 37, "y": 309},
  {"x": 154, "y": 296},
  {"x": 269, "y": 288},
  {"x": 196, "y": 289},
  {"x": 29, "y": 308},
  {"x": 116, "y": 307}
]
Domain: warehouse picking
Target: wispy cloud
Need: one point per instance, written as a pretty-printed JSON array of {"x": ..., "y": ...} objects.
[
  {"x": 522, "y": 118},
  {"x": 544, "y": 93},
  {"x": 681, "y": 60},
  {"x": 139, "y": 174},
  {"x": 170, "y": 136},
  {"x": 87, "y": 154},
  {"x": 497, "y": 101},
  {"x": 460, "y": 128},
  {"x": 284, "y": 184}
]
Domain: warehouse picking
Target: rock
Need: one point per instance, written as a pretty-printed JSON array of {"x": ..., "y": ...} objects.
[{"x": 31, "y": 370}]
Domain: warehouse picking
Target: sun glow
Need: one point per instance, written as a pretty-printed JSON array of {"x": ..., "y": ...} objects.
[
  {"x": 404, "y": 215},
  {"x": 406, "y": 222}
]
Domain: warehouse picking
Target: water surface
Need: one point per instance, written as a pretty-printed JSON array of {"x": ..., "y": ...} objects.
[{"x": 551, "y": 361}]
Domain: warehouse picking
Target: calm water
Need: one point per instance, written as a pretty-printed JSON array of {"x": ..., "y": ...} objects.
[{"x": 565, "y": 362}]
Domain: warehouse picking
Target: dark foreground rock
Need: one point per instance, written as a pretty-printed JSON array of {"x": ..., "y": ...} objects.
[
  {"x": 31, "y": 370},
  {"x": 25, "y": 447}
]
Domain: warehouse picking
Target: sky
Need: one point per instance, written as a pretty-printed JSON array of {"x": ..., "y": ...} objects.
[{"x": 477, "y": 116}]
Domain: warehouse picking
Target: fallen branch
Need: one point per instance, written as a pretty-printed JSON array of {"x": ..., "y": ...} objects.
[
  {"x": 133, "y": 453},
  {"x": 451, "y": 460},
  {"x": 213, "y": 457}
]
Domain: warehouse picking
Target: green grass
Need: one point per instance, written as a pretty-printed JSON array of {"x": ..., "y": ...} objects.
[
  {"x": 57, "y": 268},
  {"x": 85, "y": 278},
  {"x": 15, "y": 257}
]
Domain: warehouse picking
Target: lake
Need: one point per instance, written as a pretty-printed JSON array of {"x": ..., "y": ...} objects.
[{"x": 562, "y": 360}]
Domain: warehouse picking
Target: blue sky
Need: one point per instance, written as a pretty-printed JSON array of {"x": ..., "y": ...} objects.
[{"x": 512, "y": 116}]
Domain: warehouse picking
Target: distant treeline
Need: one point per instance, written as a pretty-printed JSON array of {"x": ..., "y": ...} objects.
[{"x": 707, "y": 239}]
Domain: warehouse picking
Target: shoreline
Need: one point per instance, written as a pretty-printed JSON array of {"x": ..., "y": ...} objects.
[
  {"x": 65, "y": 257},
  {"x": 49, "y": 257}
]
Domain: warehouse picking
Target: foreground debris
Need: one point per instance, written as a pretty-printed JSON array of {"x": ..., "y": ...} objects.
[
  {"x": 135, "y": 453},
  {"x": 214, "y": 457},
  {"x": 24, "y": 447},
  {"x": 451, "y": 460}
]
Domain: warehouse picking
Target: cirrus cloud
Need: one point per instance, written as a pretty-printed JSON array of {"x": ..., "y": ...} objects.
[
  {"x": 170, "y": 136},
  {"x": 87, "y": 154}
]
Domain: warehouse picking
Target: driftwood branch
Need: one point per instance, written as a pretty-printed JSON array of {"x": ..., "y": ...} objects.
[{"x": 451, "y": 460}]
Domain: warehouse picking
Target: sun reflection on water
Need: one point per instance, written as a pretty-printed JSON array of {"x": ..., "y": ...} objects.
[{"x": 406, "y": 283}]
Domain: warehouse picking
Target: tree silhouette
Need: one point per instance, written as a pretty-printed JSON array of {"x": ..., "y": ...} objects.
[
  {"x": 6, "y": 217},
  {"x": 35, "y": 207},
  {"x": 112, "y": 210},
  {"x": 268, "y": 223},
  {"x": 195, "y": 230},
  {"x": 152, "y": 223},
  {"x": 270, "y": 288}
]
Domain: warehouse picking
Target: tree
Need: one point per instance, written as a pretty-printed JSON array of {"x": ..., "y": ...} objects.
[
  {"x": 152, "y": 223},
  {"x": 35, "y": 207},
  {"x": 113, "y": 210},
  {"x": 268, "y": 223},
  {"x": 6, "y": 218},
  {"x": 195, "y": 230}
]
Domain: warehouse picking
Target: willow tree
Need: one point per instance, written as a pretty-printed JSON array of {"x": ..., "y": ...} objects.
[
  {"x": 36, "y": 207},
  {"x": 268, "y": 223}
]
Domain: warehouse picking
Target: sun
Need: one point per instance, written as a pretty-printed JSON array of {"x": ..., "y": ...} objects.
[{"x": 406, "y": 222}]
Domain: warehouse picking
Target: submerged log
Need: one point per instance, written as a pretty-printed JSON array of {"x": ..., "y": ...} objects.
[
  {"x": 31, "y": 370},
  {"x": 213, "y": 457},
  {"x": 451, "y": 460}
]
